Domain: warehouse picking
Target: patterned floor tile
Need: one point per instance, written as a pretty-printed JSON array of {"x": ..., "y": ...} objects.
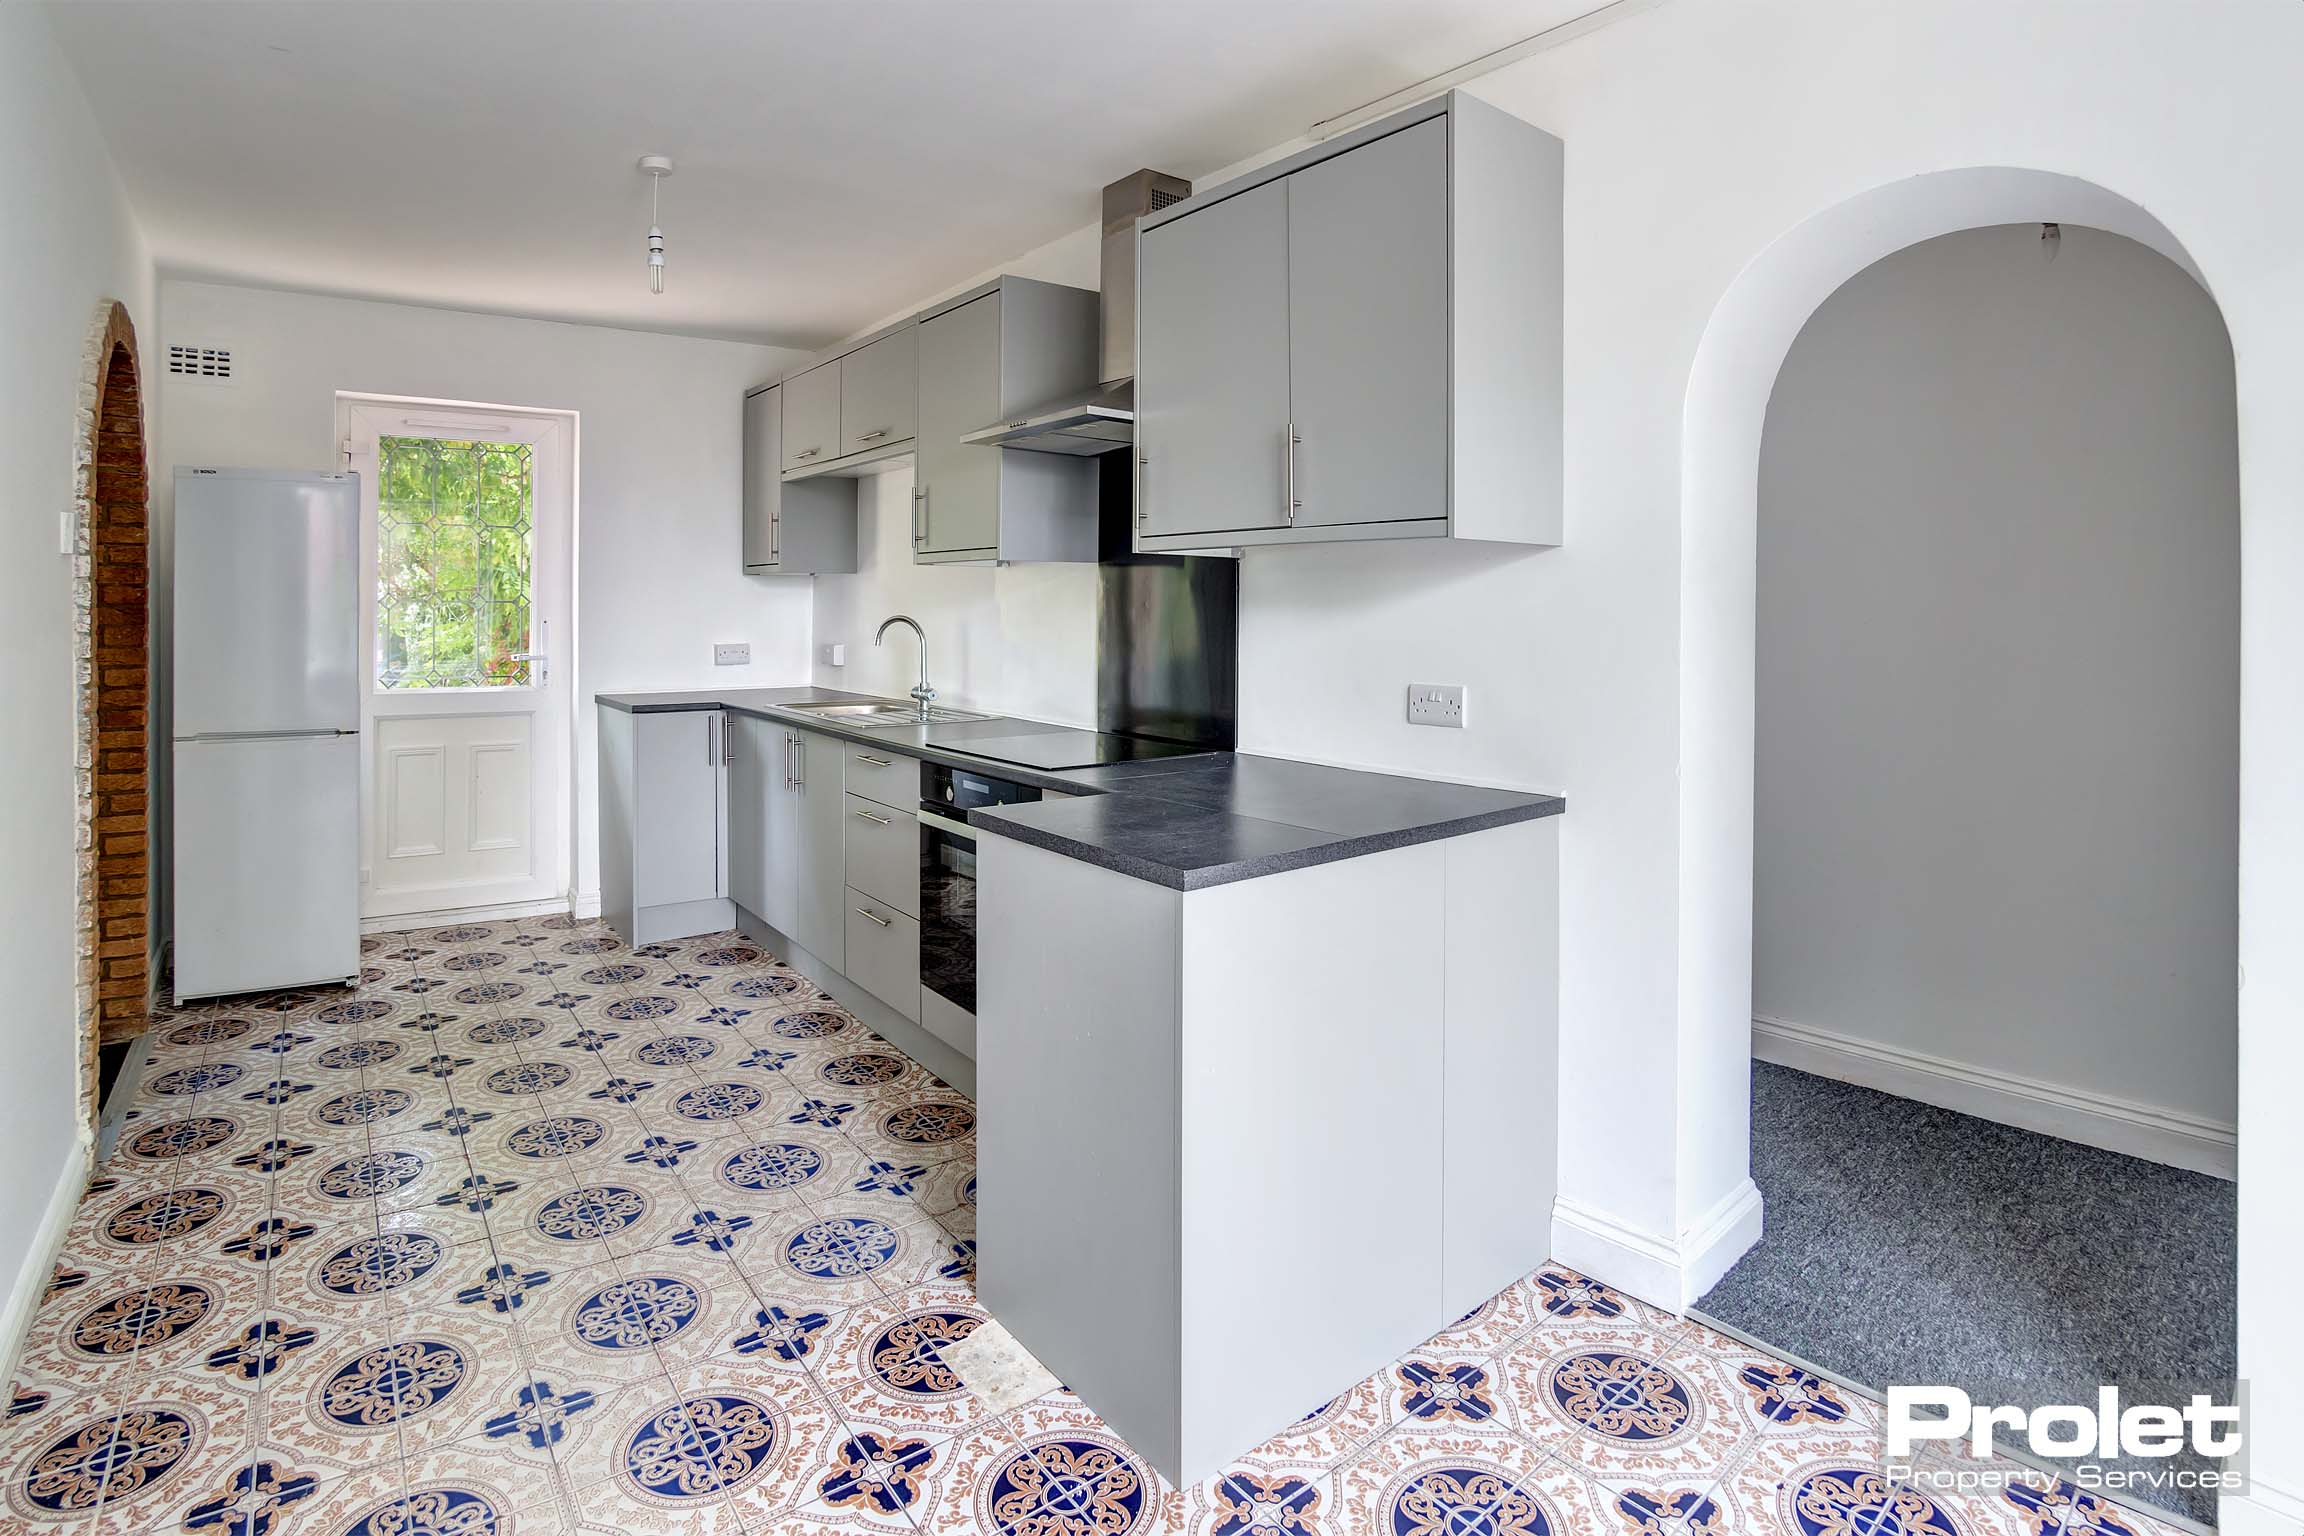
[
  {"x": 1619, "y": 1400},
  {"x": 1442, "y": 1478},
  {"x": 536, "y": 1233},
  {"x": 1050, "y": 1466}
]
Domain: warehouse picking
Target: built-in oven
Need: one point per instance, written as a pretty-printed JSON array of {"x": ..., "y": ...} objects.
[{"x": 948, "y": 875}]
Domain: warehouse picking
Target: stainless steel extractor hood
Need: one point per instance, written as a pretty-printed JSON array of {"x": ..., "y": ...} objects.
[{"x": 1105, "y": 419}]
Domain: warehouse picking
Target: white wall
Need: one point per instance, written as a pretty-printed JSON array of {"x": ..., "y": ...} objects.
[
  {"x": 1701, "y": 138},
  {"x": 660, "y": 490},
  {"x": 1021, "y": 639},
  {"x": 1999, "y": 670},
  {"x": 74, "y": 248}
]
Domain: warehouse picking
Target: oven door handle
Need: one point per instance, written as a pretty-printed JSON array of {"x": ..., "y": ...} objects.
[{"x": 929, "y": 818}]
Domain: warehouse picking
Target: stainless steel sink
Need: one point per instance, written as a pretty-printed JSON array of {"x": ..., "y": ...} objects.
[{"x": 880, "y": 713}]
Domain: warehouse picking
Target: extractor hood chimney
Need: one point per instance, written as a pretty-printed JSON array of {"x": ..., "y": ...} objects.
[{"x": 1105, "y": 419}]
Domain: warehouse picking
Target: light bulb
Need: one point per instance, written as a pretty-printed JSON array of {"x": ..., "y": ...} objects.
[{"x": 655, "y": 260}]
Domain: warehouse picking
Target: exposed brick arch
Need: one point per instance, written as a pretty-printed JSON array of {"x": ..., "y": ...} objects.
[{"x": 112, "y": 601}]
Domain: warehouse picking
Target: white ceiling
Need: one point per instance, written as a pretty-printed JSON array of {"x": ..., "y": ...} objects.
[{"x": 837, "y": 158}]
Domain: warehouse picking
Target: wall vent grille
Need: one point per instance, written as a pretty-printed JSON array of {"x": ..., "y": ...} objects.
[{"x": 211, "y": 363}]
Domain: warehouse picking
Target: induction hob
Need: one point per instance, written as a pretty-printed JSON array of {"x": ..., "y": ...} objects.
[{"x": 1055, "y": 750}]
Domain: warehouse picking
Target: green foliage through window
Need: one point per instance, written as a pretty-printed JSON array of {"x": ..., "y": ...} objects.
[{"x": 455, "y": 548}]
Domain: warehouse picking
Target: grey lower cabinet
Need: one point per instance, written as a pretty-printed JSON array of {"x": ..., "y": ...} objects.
[
  {"x": 884, "y": 953},
  {"x": 664, "y": 817},
  {"x": 1362, "y": 341},
  {"x": 989, "y": 355},
  {"x": 791, "y": 528},
  {"x": 787, "y": 862},
  {"x": 884, "y": 854},
  {"x": 761, "y": 813}
]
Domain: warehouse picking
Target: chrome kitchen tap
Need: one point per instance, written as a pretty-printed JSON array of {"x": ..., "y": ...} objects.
[{"x": 922, "y": 694}]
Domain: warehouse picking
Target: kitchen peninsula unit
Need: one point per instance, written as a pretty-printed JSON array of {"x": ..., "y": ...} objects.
[{"x": 1266, "y": 1066}]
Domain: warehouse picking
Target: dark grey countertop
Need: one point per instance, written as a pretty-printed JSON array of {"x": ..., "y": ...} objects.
[{"x": 1181, "y": 822}]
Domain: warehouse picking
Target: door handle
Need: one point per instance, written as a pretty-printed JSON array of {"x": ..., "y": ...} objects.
[
  {"x": 808, "y": 453},
  {"x": 799, "y": 762},
  {"x": 866, "y": 757},
  {"x": 919, "y": 517},
  {"x": 872, "y": 436},
  {"x": 878, "y": 821},
  {"x": 876, "y": 917},
  {"x": 727, "y": 739},
  {"x": 712, "y": 738}
]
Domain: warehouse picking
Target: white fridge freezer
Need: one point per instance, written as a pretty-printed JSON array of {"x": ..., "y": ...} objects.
[
  {"x": 266, "y": 719},
  {"x": 267, "y": 862}
]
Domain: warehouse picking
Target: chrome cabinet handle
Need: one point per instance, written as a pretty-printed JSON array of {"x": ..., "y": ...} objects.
[
  {"x": 872, "y": 436},
  {"x": 808, "y": 453},
  {"x": 727, "y": 739},
  {"x": 878, "y": 821},
  {"x": 919, "y": 517},
  {"x": 1143, "y": 478},
  {"x": 866, "y": 757},
  {"x": 712, "y": 737},
  {"x": 1289, "y": 503},
  {"x": 775, "y": 537},
  {"x": 876, "y": 917}
]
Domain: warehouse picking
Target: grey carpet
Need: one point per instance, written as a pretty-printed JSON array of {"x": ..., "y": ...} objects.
[{"x": 1908, "y": 1244}]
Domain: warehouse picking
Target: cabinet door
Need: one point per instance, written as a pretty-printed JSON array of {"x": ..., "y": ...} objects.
[
  {"x": 675, "y": 807},
  {"x": 763, "y": 488},
  {"x": 819, "y": 858},
  {"x": 1212, "y": 366},
  {"x": 956, "y": 490},
  {"x": 759, "y": 814},
  {"x": 812, "y": 415},
  {"x": 879, "y": 391},
  {"x": 1368, "y": 330}
]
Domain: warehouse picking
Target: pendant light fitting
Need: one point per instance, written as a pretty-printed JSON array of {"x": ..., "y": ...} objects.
[{"x": 655, "y": 168}]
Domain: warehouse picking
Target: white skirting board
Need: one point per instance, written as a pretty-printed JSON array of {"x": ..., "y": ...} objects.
[
  {"x": 1662, "y": 1272},
  {"x": 40, "y": 1258},
  {"x": 2054, "y": 1109}
]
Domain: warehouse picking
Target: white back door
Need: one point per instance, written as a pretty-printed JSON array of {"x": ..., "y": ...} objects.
[{"x": 466, "y": 520}]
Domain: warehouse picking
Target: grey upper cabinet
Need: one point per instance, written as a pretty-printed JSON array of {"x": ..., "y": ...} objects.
[
  {"x": 1367, "y": 313},
  {"x": 1361, "y": 341},
  {"x": 811, "y": 416},
  {"x": 796, "y": 528},
  {"x": 987, "y": 355},
  {"x": 1210, "y": 442},
  {"x": 878, "y": 388}
]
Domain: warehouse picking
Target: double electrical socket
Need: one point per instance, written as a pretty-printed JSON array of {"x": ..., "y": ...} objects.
[
  {"x": 732, "y": 655},
  {"x": 1436, "y": 704}
]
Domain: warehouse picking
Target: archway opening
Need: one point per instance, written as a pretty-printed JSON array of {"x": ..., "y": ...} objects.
[
  {"x": 1736, "y": 371},
  {"x": 113, "y": 604}
]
